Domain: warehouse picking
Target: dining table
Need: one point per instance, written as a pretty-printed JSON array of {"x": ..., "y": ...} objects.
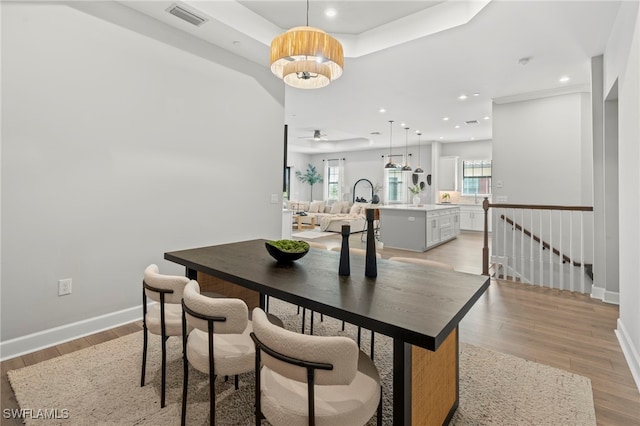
[{"x": 418, "y": 307}]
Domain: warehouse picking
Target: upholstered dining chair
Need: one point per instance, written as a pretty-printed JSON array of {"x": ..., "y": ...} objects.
[
  {"x": 315, "y": 380},
  {"x": 163, "y": 318},
  {"x": 424, "y": 262},
  {"x": 219, "y": 343}
]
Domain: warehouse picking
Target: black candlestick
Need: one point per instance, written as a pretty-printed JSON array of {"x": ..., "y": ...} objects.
[
  {"x": 370, "y": 266},
  {"x": 345, "y": 267}
]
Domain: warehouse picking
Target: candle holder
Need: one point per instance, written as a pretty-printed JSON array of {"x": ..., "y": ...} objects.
[
  {"x": 370, "y": 266},
  {"x": 345, "y": 267}
]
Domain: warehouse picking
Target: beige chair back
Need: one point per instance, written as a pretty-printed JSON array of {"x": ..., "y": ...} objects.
[
  {"x": 234, "y": 310},
  {"x": 176, "y": 283}
]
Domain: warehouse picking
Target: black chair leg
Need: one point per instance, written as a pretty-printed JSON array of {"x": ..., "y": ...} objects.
[
  {"x": 144, "y": 355},
  {"x": 164, "y": 370},
  {"x": 185, "y": 385},
  {"x": 372, "y": 344},
  {"x": 237, "y": 387},
  {"x": 359, "y": 335},
  {"x": 311, "y": 327},
  {"x": 342, "y": 325},
  {"x": 379, "y": 416}
]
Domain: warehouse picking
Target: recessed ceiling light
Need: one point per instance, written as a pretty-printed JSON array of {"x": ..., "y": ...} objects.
[
  {"x": 457, "y": 126},
  {"x": 441, "y": 137},
  {"x": 472, "y": 138},
  {"x": 462, "y": 97},
  {"x": 564, "y": 79},
  {"x": 382, "y": 110},
  {"x": 476, "y": 94},
  {"x": 331, "y": 12},
  {"x": 418, "y": 132},
  {"x": 445, "y": 118},
  {"x": 402, "y": 124},
  {"x": 486, "y": 117}
]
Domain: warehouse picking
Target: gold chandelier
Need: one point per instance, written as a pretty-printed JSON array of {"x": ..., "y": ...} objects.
[{"x": 306, "y": 57}]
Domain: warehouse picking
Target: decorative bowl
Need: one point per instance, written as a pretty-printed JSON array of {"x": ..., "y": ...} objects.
[{"x": 287, "y": 250}]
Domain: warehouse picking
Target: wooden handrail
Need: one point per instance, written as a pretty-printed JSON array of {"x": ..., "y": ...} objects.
[{"x": 486, "y": 205}]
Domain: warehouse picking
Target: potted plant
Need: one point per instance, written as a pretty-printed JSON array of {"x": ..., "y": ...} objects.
[
  {"x": 446, "y": 198},
  {"x": 415, "y": 190},
  {"x": 311, "y": 176}
]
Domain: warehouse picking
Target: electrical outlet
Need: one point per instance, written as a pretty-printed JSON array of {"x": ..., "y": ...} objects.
[{"x": 64, "y": 286}]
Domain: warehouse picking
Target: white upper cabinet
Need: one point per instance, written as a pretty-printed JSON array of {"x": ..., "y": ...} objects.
[{"x": 448, "y": 174}]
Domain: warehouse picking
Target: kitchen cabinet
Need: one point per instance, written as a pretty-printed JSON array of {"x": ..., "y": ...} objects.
[
  {"x": 410, "y": 227},
  {"x": 448, "y": 174},
  {"x": 472, "y": 218}
]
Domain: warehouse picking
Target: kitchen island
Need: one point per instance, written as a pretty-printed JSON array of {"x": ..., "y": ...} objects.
[{"x": 418, "y": 227}]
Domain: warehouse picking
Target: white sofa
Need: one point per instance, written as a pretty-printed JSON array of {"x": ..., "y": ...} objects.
[{"x": 331, "y": 217}]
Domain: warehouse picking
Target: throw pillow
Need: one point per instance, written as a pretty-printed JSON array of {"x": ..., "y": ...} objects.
[
  {"x": 316, "y": 206},
  {"x": 336, "y": 208},
  {"x": 355, "y": 209}
]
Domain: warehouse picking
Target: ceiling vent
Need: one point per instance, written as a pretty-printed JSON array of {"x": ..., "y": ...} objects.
[
  {"x": 186, "y": 14},
  {"x": 471, "y": 122}
]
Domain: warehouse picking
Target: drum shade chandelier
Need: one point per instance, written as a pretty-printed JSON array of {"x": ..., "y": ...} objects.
[{"x": 306, "y": 57}]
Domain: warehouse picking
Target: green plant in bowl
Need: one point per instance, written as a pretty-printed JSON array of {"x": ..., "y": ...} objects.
[{"x": 287, "y": 250}]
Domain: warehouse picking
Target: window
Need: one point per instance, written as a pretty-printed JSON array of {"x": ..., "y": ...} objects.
[
  {"x": 333, "y": 182},
  {"x": 476, "y": 177},
  {"x": 396, "y": 187}
]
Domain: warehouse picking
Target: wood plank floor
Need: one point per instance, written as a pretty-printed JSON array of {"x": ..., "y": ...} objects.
[{"x": 561, "y": 329}]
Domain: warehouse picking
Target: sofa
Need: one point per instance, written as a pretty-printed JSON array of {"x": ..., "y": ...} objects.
[{"x": 331, "y": 217}]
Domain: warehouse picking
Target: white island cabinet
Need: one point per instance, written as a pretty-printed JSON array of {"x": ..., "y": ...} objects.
[{"x": 418, "y": 228}]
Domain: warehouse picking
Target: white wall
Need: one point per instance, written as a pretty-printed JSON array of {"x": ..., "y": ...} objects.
[
  {"x": 537, "y": 150},
  {"x": 298, "y": 161},
  {"x": 622, "y": 62},
  {"x": 116, "y": 148}
]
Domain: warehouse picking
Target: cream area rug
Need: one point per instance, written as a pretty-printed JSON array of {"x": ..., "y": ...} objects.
[
  {"x": 100, "y": 385},
  {"x": 312, "y": 234}
]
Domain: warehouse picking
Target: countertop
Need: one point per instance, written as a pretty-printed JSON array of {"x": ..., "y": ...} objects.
[{"x": 426, "y": 207}]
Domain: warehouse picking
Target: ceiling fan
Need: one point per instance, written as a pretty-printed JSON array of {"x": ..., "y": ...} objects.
[{"x": 317, "y": 136}]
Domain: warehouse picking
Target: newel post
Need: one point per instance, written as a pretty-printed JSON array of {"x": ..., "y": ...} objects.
[{"x": 485, "y": 247}]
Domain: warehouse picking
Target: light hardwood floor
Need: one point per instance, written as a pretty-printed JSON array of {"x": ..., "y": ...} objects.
[{"x": 558, "y": 328}]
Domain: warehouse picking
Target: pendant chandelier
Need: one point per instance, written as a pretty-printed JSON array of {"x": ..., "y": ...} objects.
[
  {"x": 419, "y": 170},
  {"x": 406, "y": 167},
  {"x": 390, "y": 164},
  {"x": 306, "y": 57}
]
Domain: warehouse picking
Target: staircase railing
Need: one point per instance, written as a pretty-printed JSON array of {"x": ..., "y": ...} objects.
[{"x": 547, "y": 245}]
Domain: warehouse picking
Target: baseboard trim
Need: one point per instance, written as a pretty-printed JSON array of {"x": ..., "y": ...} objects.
[
  {"x": 606, "y": 296},
  {"x": 57, "y": 335},
  {"x": 629, "y": 351}
]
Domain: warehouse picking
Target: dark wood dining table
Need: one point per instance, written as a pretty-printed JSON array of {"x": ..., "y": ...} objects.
[{"x": 418, "y": 307}]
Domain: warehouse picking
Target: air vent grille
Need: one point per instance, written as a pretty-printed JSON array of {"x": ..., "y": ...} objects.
[
  {"x": 186, "y": 14},
  {"x": 471, "y": 122}
]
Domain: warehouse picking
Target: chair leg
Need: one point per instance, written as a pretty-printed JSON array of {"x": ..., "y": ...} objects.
[
  {"x": 372, "y": 344},
  {"x": 342, "y": 325},
  {"x": 144, "y": 354},
  {"x": 379, "y": 416},
  {"x": 185, "y": 385},
  {"x": 359, "y": 334},
  {"x": 237, "y": 387},
  {"x": 164, "y": 370}
]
